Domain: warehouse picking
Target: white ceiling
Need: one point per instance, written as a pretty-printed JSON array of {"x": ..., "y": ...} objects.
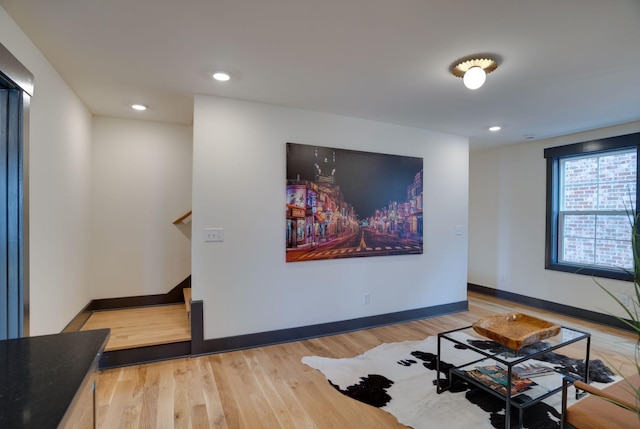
[{"x": 565, "y": 65}]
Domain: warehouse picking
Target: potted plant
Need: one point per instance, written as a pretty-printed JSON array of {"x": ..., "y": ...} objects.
[{"x": 631, "y": 309}]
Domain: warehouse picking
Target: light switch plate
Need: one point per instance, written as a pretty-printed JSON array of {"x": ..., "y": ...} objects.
[{"x": 213, "y": 234}]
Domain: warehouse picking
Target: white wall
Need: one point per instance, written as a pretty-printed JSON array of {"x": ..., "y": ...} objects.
[
  {"x": 60, "y": 157},
  {"x": 141, "y": 183},
  {"x": 239, "y": 185},
  {"x": 507, "y": 225}
]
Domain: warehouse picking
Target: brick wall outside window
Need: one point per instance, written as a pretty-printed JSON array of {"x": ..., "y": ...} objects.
[{"x": 597, "y": 193}]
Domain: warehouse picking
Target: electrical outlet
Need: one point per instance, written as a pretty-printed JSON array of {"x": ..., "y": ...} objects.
[
  {"x": 624, "y": 299},
  {"x": 366, "y": 299}
]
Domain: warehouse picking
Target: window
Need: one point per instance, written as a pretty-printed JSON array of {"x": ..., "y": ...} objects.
[
  {"x": 591, "y": 196},
  {"x": 16, "y": 85}
]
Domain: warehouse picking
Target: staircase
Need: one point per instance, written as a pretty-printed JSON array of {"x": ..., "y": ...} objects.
[{"x": 143, "y": 328}]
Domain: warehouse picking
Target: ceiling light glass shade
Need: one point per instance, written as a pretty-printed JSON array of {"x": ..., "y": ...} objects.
[
  {"x": 221, "y": 76},
  {"x": 140, "y": 107},
  {"x": 473, "y": 71},
  {"x": 474, "y": 78},
  {"x": 495, "y": 128}
]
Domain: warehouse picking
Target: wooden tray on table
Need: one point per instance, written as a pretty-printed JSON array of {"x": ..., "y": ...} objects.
[{"x": 515, "y": 330}]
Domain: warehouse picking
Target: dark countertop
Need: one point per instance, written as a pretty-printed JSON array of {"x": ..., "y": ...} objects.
[{"x": 39, "y": 376}]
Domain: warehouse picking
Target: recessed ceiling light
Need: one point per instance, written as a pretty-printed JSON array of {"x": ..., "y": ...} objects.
[
  {"x": 495, "y": 128},
  {"x": 221, "y": 76},
  {"x": 140, "y": 107}
]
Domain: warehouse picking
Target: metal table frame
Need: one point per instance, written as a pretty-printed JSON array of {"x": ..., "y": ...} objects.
[{"x": 509, "y": 364}]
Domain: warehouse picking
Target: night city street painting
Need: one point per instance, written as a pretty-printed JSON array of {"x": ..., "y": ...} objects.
[{"x": 347, "y": 204}]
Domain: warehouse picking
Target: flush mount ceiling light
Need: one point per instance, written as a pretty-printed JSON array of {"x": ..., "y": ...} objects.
[
  {"x": 473, "y": 71},
  {"x": 495, "y": 128},
  {"x": 221, "y": 76},
  {"x": 140, "y": 107}
]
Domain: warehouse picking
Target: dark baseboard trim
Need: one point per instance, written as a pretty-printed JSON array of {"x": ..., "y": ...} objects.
[
  {"x": 197, "y": 328},
  {"x": 567, "y": 310},
  {"x": 118, "y": 358},
  {"x": 78, "y": 321},
  {"x": 260, "y": 339},
  {"x": 174, "y": 296}
]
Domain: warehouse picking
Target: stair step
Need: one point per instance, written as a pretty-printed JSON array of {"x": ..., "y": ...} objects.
[{"x": 187, "y": 300}]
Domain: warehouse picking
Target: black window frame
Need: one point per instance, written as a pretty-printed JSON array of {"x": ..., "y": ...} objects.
[{"x": 553, "y": 156}]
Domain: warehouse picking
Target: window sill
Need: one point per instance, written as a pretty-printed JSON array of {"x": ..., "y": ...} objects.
[{"x": 590, "y": 271}]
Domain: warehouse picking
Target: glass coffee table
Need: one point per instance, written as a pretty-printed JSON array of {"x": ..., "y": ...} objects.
[{"x": 487, "y": 354}]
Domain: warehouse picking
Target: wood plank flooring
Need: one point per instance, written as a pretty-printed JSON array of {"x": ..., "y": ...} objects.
[
  {"x": 268, "y": 387},
  {"x": 143, "y": 326}
]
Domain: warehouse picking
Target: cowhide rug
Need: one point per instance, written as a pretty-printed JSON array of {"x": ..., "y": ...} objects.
[{"x": 400, "y": 379}]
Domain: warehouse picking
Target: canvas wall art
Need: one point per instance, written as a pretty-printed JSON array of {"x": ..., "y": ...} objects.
[{"x": 347, "y": 204}]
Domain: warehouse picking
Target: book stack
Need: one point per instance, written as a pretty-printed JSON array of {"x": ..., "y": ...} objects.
[{"x": 496, "y": 378}]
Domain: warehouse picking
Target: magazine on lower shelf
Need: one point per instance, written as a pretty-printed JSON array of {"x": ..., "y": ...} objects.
[
  {"x": 531, "y": 370},
  {"x": 496, "y": 378}
]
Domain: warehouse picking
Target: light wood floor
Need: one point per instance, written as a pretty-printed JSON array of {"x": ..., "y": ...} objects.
[
  {"x": 142, "y": 326},
  {"x": 269, "y": 387}
]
